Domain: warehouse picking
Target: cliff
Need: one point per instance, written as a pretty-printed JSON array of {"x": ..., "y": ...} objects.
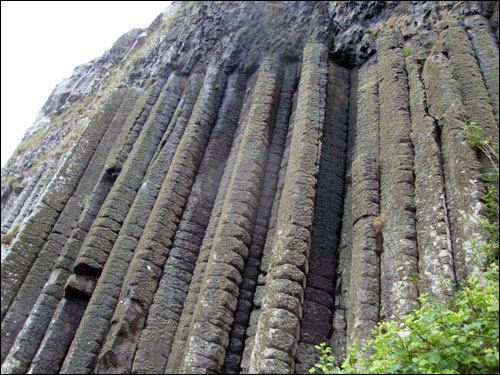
[{"x": 241, "y": 181}]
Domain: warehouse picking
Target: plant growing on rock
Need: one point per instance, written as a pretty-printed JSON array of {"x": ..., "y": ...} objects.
[
  {"x": 86, "y": 200},
  {"x": 372, "y": 33},
  {"x": 476, "y": 141},
  {"x": 491, "y": 224},
  {"x": 459, "y": 337},
  {"x": 378, "y": 224},
  {"x": 407, "y": 51},
  {"x": 7, "y": 239}
]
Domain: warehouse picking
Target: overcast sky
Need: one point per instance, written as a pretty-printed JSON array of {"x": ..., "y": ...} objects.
[{"x": 42, "y": 42}]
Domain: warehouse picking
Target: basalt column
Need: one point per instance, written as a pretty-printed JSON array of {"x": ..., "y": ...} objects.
[
  {"x": 362, "y": 220},
  {"x": 145, "y": 267},
  {"x": 266, "y": 251},
  {"x": 52, "y": 291},
  {"x": 343, "y": 274},
  {"x": 460, "y": 166},
  {"x": 399, "y": 257},
  {"x": 316, "y": 323},
  {"x": 234, "y": 185},
  {"x": 34, "y": 233},
  {"x": 182, "y": 331},
  {"x": 210, "y": 325},
  {"x": 165, "y": 311},
  {"x": 253, "y": 262},
  {"x": 276, "y": 339},
  {"x": 68, "y": 314},
  {"x": 463, "y": 65},
  {"x": 436, "y": 275},
  {"x": 486, "y": 50},
  {"x": 106, "y": 228}
]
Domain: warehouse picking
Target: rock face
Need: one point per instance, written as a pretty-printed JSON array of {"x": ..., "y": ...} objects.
[{"x": 241, "y": 181}]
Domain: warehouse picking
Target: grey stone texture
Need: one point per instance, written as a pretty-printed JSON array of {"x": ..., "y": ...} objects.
[
  {"x": 220, "y": 287},
  {"x": 399, "y": 258},
  {"x": 277, "y": 331},
  {"x": 460, "y": 166},
  {"x": 253, "y": 179},
  {"x": 436, "y": 276},
  {"x": 467, "y": 72}
]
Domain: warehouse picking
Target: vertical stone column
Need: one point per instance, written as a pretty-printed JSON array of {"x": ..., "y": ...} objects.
[
  {"x": 145, "y": 267},
  {"x": 316, "y": 323},
  {"x": 363, "y": 298},
  {"x": 105, "y": 230},
  {"x": 454, "y": 43},
  {"x": 36, "y": 229},
  {"x": 252, "y": 264},
  {"x": 399, "y": 260},
  {"x": 80, "y": 288},
  {"x": 486, "y": 49},
  {"x": 212, "y": 319},
  {"x": 343, "y": 276},
  {"x": 461, "y": 168},
  {"x": 277, "y": 333},
  {"x": 266, "y": 251},
  {"x": 156, "y": 339},
  {"x": 99, "y": 241},
  {"x": 182, "y": 331},
  {"x": 435, "y": 254},
  {"x": 44, "y": 267}
]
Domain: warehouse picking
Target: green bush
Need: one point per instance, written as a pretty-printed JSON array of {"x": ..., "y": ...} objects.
[
  {"x": 459, "y": 337},
  {"x": 491, "y": 150}
]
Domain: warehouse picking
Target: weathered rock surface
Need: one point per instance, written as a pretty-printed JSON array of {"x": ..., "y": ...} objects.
[{"x": 241, "y": 181}]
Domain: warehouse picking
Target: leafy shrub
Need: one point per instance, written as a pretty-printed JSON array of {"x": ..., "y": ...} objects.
[
  {"x": 491, "y": 150},
  {"x": 460, "y": 337}
]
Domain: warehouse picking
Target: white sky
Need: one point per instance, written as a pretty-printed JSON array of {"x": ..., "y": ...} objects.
[{"x": 42, "y": 42}]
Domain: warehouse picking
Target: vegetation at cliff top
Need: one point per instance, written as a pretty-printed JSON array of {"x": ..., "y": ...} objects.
[{"x": 460, "y": 336}]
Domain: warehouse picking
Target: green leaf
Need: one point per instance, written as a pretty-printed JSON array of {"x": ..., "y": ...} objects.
[
  {"x": 453, "y": 318},
  {"x": 434, "y": 357}
]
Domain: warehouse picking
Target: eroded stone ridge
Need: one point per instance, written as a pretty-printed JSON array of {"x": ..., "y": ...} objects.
[{"x": 259, "y": 178}]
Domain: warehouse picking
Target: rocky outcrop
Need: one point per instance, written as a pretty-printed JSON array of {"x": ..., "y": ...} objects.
[{"x": 242, "y": 181}]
